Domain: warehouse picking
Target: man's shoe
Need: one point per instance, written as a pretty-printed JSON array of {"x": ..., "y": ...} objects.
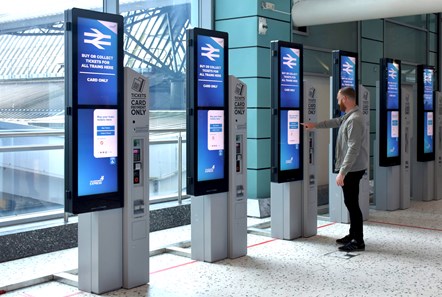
[
  {"x": 344, "y": 240},
  {"x": 353, "y": 246}
]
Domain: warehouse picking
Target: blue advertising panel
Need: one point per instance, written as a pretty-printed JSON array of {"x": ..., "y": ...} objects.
[
  {"x": 428, "y": 132},
  {"x": 348, "y": 71},
  {"x": 428, "y": 81},
  {"x": 393, "y": 134},
  {"x": 94, "y": 111},
  {"x": 290, "y": 142},
  {"x": 210, "y": 145},
  {"x": 97, "y": 151},
  {"x": 210, "y": 69},
  {"x": 393, "y": 86},
  {"x": 97, "y": 62},
  {"x": 207, "y": 116},
  {"x": 289, "y": 77}
]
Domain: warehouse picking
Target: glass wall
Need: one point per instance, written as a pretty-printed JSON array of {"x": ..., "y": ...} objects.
[
  {"x": 32, "y": 106},
  {"x": 32, "y": 98}
]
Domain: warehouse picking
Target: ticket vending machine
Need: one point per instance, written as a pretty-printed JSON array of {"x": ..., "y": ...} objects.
[
  {"x": 423, "y": 141},
  {"x": 345, "y": 74},
  {"x": 237, "y": 195},
  {"x": 310, "y": 186},
  {"x": 438, "y": 148},
  {"x": 407, "y": 135},
  {"x": 338, "y": 210},
  {"x": 207, "y": 141},
  {"x": 388, "y": 137},
  {"x": 136, "y": 190}
]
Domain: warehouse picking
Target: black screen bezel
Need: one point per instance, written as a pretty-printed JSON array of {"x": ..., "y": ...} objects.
[
  {"x": 337, "y": 85},
  {"x": 385, "y": 161},
  {"x": 421, "y": 155},
  {"x": 74, "y": 203},
  {"x": 195, "y": 187},
  {"x": 278, "y": 175}
]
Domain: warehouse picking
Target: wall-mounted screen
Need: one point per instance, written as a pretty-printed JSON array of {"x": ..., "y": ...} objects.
[
  {"x": 389, "y": 112},
  {"x": 94, "y": 111},
  {"x": 207, "y": 117},
  {"x": 345, "y": 74},
  {"x": 425, "y": 112},
  {"x": 287, "y": 105}
]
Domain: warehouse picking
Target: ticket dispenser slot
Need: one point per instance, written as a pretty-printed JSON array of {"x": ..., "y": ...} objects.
[{"x": 239, "y": 153}]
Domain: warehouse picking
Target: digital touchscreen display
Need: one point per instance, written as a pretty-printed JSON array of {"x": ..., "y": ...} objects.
[
  {"x": 290, "y": 142},
  {"x": 210, "y": 144},
  {"x": 393, "y": 133}
]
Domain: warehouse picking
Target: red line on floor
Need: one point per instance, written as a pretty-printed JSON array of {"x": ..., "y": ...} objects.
[
  {"x": 74, "y": 294},
  {"x": 176, "y": 266},
  {"x": 408, "y": 226},
  {"x": 264, "y": 242},
  {"x": 326, "y": 225},
  {"x": 250, "y": 246}
]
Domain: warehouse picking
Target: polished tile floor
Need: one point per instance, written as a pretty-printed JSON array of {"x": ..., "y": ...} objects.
[{"x": 403, "y": 257}]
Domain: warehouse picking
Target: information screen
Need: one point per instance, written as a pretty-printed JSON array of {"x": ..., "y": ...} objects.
[
  {"x": 425, "y": 112},
  {"x": 287, "y": 103},
  {"x": 94, "y": 65},
  {"x": 207, "y": 118},
  {"x": 389, "y": 113}
]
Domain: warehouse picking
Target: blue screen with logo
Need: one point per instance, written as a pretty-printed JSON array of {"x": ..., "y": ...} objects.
[
  {"x": 97, "y": 62},
  {"x": 97, "y": 151},
  {"x": 428, "y": 132},
  {"x": 289, "y": 77},
  {"x": 393, "y": 133},
  {"x": 210, "y": 71},
  {"x": 290, "y": 140},
  {"x": 393, "y": 86},
  {"x": 210, "y": 145},
  {"x": 348, "y": 71},
  {"x": 428, "y": 88}
]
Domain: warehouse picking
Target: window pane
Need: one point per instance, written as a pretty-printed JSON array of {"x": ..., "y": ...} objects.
[
  {"x": 155, "y": 46},
  {"x": 32, "y": 104},
  {"x": 405, "y": 43}
]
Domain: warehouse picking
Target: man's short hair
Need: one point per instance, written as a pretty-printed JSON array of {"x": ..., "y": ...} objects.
[{"x": 348, "y": 92}]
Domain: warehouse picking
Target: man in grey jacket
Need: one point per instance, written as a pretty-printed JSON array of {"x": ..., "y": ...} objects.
[{"x": 351, "y": 161}]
